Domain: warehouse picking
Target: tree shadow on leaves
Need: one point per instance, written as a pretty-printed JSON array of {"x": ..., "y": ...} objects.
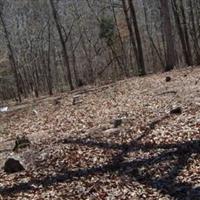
[{"x": 167, "y": 184}]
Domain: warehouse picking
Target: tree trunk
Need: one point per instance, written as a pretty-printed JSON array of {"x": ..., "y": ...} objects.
[
  {"x": 142, "y": 70},
  {"x": 185, "y": 28},
  {"x": 130, "y": 29},
  {"x": 167, "y": 30},
  {"x": 186, "y": 55},
  {"x": 194, "y": 33},
  {"x": 11, "y": 58},
  {"x": 159, "y": 54},
  {"x": 62, "y": 41},
  {"x": 49, "y": 76},
  {"x": 122, "y": 49}
]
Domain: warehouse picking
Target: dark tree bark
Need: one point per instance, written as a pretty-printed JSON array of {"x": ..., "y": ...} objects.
[
  {"x": 130, "y": 29},
  {"x": 181, "y": 32},
  {"x": 142, "y": 70},
  {"x": 185, "y": 28},
  {"x": 11, "y": 57},
  {"x": 171, "y": 59},
  {"x": 159, "y": 54},
  {"x": 194, "y": 32},
  {"x": 74, "y": 64},
  {"x": 49, "y": 76},
  {"x": 124, "y": 58},
  {"x": 62, "y": 41}
]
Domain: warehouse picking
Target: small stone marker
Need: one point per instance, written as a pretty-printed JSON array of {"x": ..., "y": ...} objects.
[
  {"x": 57, "y": 101},
  {"x": 76, "y": 99}
]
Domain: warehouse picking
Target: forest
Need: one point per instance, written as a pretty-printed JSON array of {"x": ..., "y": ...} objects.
[
  {"x": 57, "y": 46},
  {"x": 100, "y": 99}
]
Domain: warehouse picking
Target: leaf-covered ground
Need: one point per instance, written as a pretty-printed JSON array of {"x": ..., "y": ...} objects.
[{"x": 76, "y": 153}]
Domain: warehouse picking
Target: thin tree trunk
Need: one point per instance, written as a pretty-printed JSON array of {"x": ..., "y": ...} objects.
[
  {"x": 49, "y": 76},
  {"x": 131, "y": 33},
  {"x": 124, "y": 59},
  {"x": 150, "y": 36},
  {"x": 11, "y": 57},
  {"x": 194, "y": 33},
  {"x": 62, "y": 41},
  {"x": 181, "y": 33},
  {"x": 76, "y": 76},
  {"x": 142, "y": 70},
  {"x": 167, "y": 30},
  {"x": 185, "y": 29}
]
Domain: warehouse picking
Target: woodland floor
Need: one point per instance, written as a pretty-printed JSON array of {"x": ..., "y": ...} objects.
[{"x": 76, "y": 154}]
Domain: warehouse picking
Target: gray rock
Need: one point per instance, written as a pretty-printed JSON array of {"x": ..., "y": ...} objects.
[
  {"x": 21, "y": 142},
  {"x": 176, "y": 111},
  {"x": 76, "y": 100},
  {"x": 57, "y": 101},
  {"x": 168, "y": 79},
  {"x": 13, "y": 166}
]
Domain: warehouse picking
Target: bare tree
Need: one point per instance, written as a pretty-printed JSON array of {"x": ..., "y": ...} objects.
[
  {"x": 142, "y": 70},
  {"x": 11, "y": 54},
  {"x": 55, "y": 44},
  {"x": 131, "y": 32},
  {"x": 167, "y": 30},
  {"x": 179, "y": 12},
  {"x": 62, "y": 41}
]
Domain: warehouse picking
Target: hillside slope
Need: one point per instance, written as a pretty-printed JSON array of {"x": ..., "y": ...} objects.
[{"x": 76, "y": 153}]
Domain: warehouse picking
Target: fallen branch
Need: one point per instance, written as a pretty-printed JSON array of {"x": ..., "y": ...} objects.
[{"x": 167, "y": 92}]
